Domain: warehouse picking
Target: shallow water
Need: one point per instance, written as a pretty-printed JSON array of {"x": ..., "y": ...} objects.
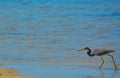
[{"x": 39, "y": 38}]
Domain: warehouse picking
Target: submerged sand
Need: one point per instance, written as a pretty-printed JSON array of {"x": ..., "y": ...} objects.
[{"x": 9, "y": 73}]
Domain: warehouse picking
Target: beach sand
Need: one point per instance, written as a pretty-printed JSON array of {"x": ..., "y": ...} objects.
[{"x": 9, "y": 73}]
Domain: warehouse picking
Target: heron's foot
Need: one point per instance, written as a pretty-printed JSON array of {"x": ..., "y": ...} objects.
[
  {"x": 99, "y": 67},
  {"x": 113, "y": 61},
  {"x": 116, "y": 67},
  {"x": 102, "y": 63}
]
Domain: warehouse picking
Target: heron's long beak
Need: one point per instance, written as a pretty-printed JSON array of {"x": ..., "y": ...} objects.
[{"x": 81, "y": 49}]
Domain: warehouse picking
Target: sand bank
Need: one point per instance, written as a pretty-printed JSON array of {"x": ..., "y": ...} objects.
[{"x": 10, "y": 73}]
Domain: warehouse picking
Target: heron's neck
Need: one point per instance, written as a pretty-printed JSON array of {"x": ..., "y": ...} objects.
[{"x": 89, "y": 53}]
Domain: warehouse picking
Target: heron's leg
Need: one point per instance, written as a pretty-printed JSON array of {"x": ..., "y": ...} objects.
[
  {"x": 102, "y": 62},
  {"x": 113, "y": 61}
]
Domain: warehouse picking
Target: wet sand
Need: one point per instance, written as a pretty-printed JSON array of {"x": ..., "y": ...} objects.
[{"x": 9, "y": 73}]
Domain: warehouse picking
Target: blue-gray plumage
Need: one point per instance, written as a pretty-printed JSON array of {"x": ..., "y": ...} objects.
[{"x": 100, "y": 52}]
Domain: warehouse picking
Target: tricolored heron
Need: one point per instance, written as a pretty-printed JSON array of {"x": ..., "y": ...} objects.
[{"x": 100, "y": 52}]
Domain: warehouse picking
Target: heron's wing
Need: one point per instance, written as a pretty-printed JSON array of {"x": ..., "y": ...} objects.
[{"x": 102, "y": 51}]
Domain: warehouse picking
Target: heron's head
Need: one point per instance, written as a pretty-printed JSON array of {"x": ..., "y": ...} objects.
[{"x": 86, "y": 48}]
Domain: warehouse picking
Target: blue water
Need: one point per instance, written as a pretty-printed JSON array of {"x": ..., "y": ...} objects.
[{"x": 38, "y": 38}]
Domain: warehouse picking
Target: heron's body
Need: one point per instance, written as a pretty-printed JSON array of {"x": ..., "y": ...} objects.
[{"x": 100, "y": 52}]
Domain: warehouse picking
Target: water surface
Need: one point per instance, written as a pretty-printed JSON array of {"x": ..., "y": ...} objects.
[{"x": 38, "y": 38}]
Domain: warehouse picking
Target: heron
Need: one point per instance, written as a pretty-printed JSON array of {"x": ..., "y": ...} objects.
[{"x": 100, "y": 52}]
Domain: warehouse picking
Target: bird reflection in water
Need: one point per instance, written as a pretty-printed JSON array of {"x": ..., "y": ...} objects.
[
  {"x": 113, "y": 74},
  {"x": 102, "y": 74}
]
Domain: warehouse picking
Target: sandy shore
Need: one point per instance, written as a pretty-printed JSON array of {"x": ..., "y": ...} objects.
[{"x": 10, "y": 73}]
